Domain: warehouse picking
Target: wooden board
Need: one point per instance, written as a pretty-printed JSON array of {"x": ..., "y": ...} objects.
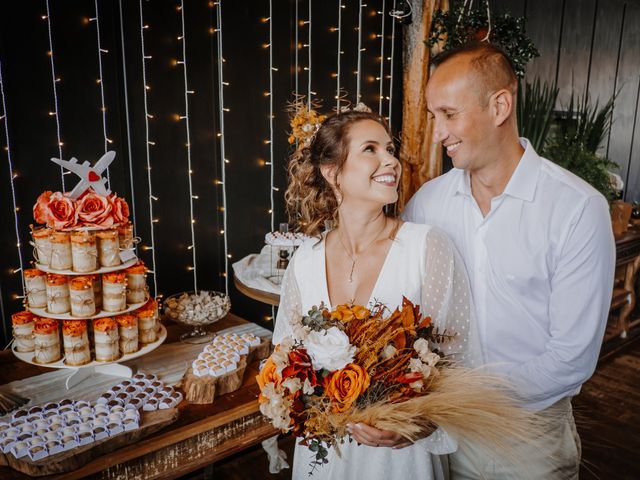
[
  {"x": 70, "y": 460},
  {"x": 203, "y": 390}
]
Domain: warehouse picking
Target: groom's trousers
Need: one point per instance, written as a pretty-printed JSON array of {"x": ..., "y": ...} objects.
[{"x": 553, "y": 456}]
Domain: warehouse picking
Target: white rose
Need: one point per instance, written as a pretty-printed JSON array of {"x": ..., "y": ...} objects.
[{"x": 329, "y": 349}]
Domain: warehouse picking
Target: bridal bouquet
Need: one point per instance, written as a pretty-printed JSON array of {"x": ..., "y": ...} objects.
[{"x": 355, "y": 365}]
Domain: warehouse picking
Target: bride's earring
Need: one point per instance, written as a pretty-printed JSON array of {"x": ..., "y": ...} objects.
[{"x": 338, "y": 197}]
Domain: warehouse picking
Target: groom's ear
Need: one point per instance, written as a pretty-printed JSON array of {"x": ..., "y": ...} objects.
[
  {"x": 329, "y": 174},
  {"x": 501, "y": 105}
]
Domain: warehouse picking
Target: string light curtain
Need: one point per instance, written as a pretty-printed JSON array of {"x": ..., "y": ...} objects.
[
  {"x": 54, "y": 82},
  {"x": 12, "y": 176},
  {"x": 185, "y": 117},
  {"x": 223, "y": 160},
  {"x": 148, "y": 144},
  {"x": 100, "y": 82}
]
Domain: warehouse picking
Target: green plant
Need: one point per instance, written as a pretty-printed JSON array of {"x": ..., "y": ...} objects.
[
  {"x": 462, "y": 25},
  {"x": 577, "y": 158},
  {"x": 571, "y": 139},
  {"x": 534, "y": 109}
]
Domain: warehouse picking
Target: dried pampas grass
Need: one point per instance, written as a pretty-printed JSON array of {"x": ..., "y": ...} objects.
[{"x": 467, "y": 404}]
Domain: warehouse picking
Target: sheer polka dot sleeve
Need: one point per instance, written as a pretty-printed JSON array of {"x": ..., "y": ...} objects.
[
  {"x": 290, "y": 304},
  {"x": 446, "y": 296}
]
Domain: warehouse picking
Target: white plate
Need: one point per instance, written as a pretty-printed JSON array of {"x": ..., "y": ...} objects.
[
  {"x": 122, "y": 266},
  {"x": 42, "y": 312},
  {"x": 28, "y": 356}
]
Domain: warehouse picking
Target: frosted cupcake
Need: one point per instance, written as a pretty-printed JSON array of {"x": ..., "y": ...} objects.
[
  {"x": 75, "y": 340},
  {"x": 61, "y": 258},
  {"x": 47, "y": 341},
  {"x": 108, "y": 248},
  {"x": 84, "y": 251},
  {"x": 82, "y": 300},
  {"x": 105, "y": 335},
  {"x": 136, "y": 283},
  {"x": 42, "y": 244},
  {"x": 58, "y": 294},
  {"x": 23, "y": 323},
  {"x": 114, "y": 294},
  {"x": 36, "y": 284},
  {"x": 128, "y": 332}
]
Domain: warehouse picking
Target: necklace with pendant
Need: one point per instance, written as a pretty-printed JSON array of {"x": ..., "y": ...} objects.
[{"x": 355, "y": 258}]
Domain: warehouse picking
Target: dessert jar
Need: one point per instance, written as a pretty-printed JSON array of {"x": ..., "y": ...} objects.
[
  {"x": 82, "y": 299},
  {"x": 23, "y": 323},
  {"x": 114, "y": 292},
  {"x": 128, "y": 333},
  {"x": 84, "y": 251},
  {"x": 58, "y": 301},
  {"x": 108, "y": 248},
  {"x": 47, "y": 340},
  {"x": 105, "y": 336},
  {"x": 61, "y": 258},
  {"x": 137, "y": 291},
  {"x": 35, "y": 282},
  {"x": 42, "y": 245},
  {"x": 75, "y": 340}
]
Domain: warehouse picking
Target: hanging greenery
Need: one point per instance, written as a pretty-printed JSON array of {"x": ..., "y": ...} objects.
[{"x": 464, "y": 24}]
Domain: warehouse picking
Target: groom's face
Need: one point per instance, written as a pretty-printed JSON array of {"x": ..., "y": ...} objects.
[
  {"x": 461, "y": 122},
  {"x": 371, "y": 171}
]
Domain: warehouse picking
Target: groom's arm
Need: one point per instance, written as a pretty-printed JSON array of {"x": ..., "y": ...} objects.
[{"x": 580, "y": 299}]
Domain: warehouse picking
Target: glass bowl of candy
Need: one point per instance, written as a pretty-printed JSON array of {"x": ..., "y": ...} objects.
[{"x": 197, "y": 310}]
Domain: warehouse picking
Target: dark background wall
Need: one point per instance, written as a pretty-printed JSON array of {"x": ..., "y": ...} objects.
[
  {"x": 32, "y": 129},
  {"x": 594, "y": 45}
]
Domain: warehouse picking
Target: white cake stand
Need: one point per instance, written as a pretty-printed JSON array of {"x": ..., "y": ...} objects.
[{"x": 78, "y": 373}]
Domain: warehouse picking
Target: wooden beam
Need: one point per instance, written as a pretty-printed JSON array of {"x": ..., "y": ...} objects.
[{"x": 420, "y": 156}]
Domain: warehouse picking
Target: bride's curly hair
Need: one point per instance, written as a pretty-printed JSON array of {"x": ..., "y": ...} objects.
[{"x": 310, "y": 199}]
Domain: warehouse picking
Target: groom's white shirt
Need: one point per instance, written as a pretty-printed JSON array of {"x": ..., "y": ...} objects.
[{"x": 541, "y": 266}]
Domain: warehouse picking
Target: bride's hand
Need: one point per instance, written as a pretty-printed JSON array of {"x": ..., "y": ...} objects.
[{"x": 374, "y": 437}]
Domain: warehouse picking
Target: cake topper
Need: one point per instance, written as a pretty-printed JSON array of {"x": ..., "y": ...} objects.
[{"x": 90, "y": 177}]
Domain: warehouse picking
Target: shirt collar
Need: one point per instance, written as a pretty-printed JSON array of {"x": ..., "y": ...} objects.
[{"x": 523, "y": 181}]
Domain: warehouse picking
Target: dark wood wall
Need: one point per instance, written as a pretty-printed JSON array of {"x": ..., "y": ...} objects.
[
  {"x": 593, "y": 44},
  {"x": 28, "y": 92}
]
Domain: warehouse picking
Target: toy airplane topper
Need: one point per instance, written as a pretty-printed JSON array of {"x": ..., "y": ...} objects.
[{"x": 90, "y": 177}]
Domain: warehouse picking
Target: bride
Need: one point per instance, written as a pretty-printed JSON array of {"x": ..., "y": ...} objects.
[{"x": 346, "y": 175}]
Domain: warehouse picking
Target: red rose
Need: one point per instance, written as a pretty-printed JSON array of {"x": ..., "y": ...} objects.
[
  {"x": 61, "y": 212},
  {"x": 40, "y": 210},
  {"x": 94, "y": 210},
  {"x": 119, "y": 208},
  {"x": 300, "y": 367}
]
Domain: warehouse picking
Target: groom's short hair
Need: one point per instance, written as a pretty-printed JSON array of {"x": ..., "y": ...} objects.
[{"x": 489, "y": 63}]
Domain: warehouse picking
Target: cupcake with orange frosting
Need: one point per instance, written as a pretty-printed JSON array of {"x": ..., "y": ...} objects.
[
  {"x": 75, "y": 340},
  {"x": 108, "y": 248},
  {"x": 42, "y": 244},
  {"x": 61, "y": 258},
  {"x": 136, "y": 283},
  {"x": 47, "y": 340},
  {"x": 84, "y": 251},
  {"x": 35, "y": 282},
  {"x": 22, "y": 323},
  {"x": 128, "y": 332},
  {"x": 114, "y": 292},
  {"x": 105, "y": 336},
  {"x": 58, "y": 294},
  {"x": 81, "y": 292},
  {"x": 148, "y": 322}
]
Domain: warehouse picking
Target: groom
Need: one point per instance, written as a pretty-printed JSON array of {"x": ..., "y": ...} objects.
[{"x": 538, "y": 247}]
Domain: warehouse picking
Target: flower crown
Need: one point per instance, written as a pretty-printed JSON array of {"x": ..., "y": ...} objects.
[{"x": 306, "y": 121}]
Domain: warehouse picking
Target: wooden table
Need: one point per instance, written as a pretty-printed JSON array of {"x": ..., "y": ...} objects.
[{"x": 203, "y": 434}]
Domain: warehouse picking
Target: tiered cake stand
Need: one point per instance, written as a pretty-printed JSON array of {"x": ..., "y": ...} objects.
[{"x": 79, "y": 373}]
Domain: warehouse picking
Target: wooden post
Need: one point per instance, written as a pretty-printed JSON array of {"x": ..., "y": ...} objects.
[{"x": 421, "y": 158}]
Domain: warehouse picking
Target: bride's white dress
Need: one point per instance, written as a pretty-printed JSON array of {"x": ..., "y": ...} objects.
[{"x": 423, "y": 266}]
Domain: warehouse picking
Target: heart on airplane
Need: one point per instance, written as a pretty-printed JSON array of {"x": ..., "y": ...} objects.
[{"x": 93, "y": 176}]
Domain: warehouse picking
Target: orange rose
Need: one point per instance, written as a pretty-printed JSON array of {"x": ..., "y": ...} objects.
[
  {"x": 61, "y": 212},
  {"x": 40, "y": 210},
  {"x": 94, "y": 210},
  {"x": 346, "y": 385},
  {"x": 268, "y": 375},
  {"x": 346, "y": 313},
  {"x": 119, "y": 208}
]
